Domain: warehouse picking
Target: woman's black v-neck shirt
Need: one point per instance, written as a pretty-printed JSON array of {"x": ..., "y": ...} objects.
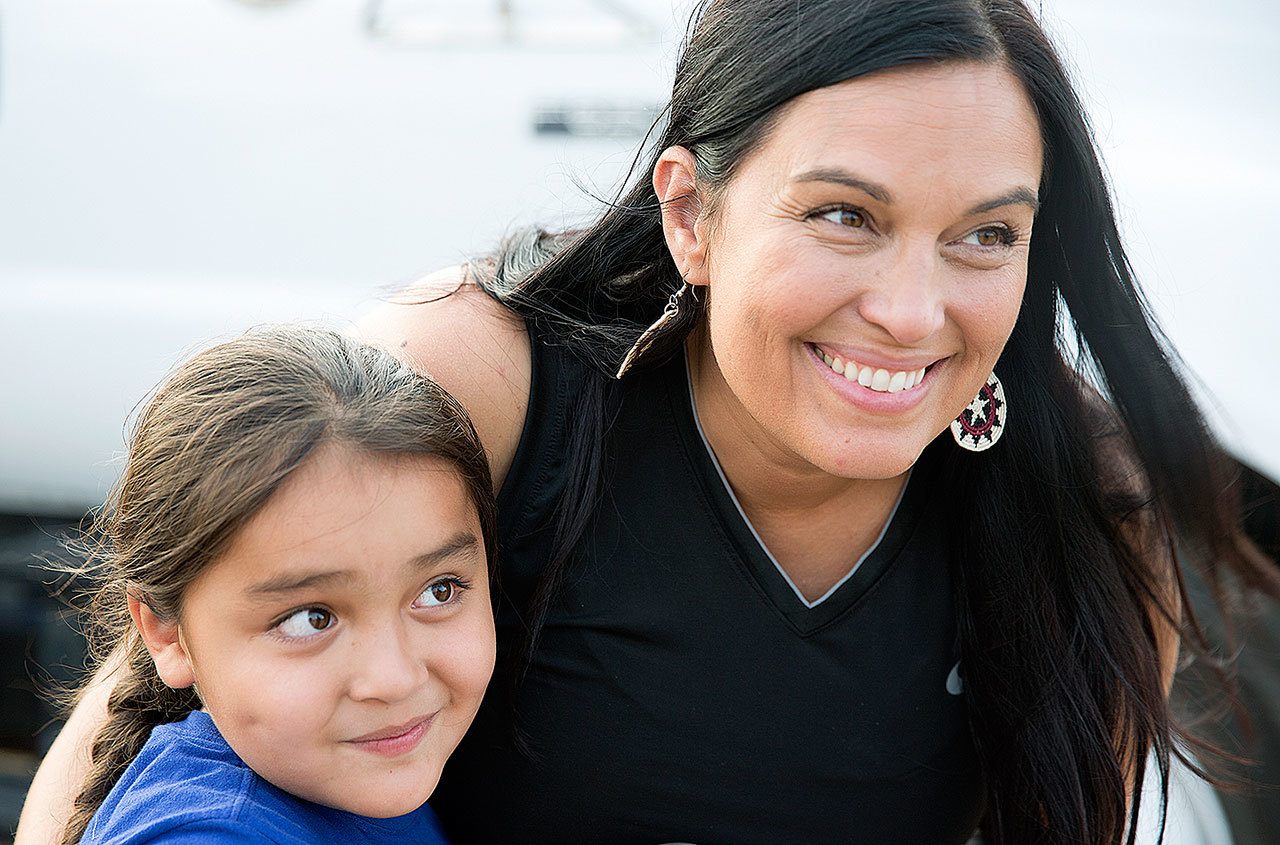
[{"x": 682, "y": 689}]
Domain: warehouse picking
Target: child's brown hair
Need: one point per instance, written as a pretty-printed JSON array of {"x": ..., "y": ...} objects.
[{"x": 210, "y": 447}]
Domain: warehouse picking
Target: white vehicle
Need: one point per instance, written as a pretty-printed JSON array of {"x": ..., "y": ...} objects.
[
  {"x": 172, "y": 172},
  {"x": 175, "y": 171}
]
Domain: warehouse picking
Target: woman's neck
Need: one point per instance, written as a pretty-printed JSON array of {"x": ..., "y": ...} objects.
[{"x": 815, "y": 523}]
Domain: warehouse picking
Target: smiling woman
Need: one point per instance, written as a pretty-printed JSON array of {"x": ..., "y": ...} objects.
[{"x": 884, "y": 223}]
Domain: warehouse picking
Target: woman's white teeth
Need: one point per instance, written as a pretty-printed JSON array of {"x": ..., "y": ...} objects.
[{"x": 882, "y": 381}]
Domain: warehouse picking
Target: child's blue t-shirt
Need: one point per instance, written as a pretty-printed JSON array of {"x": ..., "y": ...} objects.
[{"x": 187, "y": 786}]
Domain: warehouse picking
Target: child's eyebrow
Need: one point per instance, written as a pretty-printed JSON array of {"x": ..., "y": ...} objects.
[
  {"x": 464, "y": 543},
  {"x": 291, "y": 582},
  {"x": 461, "y": 544}
]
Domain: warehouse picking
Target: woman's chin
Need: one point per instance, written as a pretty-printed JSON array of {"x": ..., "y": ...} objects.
[{"x": 869, "y": 460}]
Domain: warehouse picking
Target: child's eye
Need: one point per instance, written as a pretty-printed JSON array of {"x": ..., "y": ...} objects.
[
  {"x": 441, "y": 592},
  {"x": 305, "y": 623}
]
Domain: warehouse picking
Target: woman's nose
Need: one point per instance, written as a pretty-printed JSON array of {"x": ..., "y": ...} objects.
[
  {"x": 384, "y": 666},
  {"x": 905, "y": 297}
]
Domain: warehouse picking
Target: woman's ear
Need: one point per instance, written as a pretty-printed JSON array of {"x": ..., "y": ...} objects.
[
  {"x": 675, "y": 182},
  {"x": 164, "y": 643}
]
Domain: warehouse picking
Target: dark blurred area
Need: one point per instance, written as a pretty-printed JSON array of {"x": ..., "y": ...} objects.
[
  {"x": 1261, "y": 506},
  {"x": 41, "y": 650},
  {"x": 1252, "y": 805}
]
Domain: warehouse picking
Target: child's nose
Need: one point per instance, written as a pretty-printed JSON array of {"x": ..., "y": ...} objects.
[{"x": 385, "y": 667}]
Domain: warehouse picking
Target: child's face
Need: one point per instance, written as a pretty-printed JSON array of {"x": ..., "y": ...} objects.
[{"x": 343, "y": 643}]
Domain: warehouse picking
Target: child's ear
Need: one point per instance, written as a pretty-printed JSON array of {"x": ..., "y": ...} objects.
[{"x": 166, "y": 647}]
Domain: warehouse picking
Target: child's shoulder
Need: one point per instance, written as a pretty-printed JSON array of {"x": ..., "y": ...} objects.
[
  {"x": 188, "y": 786},
  {"x": 184, "y": 775}
]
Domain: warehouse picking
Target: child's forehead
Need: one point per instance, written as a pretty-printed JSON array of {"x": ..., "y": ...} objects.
[{"x": 357, "y": 513}]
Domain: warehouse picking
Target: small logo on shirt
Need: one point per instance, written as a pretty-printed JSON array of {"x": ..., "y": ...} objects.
[{"x": 955, "y": 685}]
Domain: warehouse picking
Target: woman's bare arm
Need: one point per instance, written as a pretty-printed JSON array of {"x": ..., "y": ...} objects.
[
  {"x": 48, "y": 802},
  {"x": 473, "y": 347}
]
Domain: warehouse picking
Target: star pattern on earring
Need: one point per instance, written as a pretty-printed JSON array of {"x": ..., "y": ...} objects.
[
  {"x": 982, "y": 415},
  {"x": 981, "y": 423}
]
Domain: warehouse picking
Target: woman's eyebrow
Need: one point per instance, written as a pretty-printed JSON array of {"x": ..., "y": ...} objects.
[
  {"x": 1020, "y": 195},
  {"x": 843, "y": 177},
  {"x": 1016, "y": 196}
]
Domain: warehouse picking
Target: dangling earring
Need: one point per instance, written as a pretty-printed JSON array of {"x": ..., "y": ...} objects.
[
  {"x": 980, "y": 424},
  {"x": 669, "y": 315}
]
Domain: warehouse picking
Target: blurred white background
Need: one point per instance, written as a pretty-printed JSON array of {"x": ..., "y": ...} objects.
[{"x": 175, "y": 170}]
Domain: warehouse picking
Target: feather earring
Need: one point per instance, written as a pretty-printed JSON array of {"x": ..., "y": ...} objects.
[{"x": 669, "y": 315}]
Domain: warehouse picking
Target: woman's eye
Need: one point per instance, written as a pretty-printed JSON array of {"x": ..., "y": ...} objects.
[
  {"x": 439, "y": 593},
  {"x": 305, "y": 623},
  {"x": 988, "y": 236},
  {"x": 850, "y": 217}
]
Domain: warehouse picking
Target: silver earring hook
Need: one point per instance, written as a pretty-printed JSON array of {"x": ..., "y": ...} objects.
[{"x": 670, "y": 313}]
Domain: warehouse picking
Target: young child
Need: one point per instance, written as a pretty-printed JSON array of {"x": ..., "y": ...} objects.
[{"x": 293, "y": 577}]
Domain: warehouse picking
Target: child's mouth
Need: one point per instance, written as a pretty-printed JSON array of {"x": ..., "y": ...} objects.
[{"x": 394, "y": 740}]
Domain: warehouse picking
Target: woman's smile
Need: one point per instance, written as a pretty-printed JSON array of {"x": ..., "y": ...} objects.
[
  {"x": 875, "y": 372},
  {"x": 875, "y": 389}
]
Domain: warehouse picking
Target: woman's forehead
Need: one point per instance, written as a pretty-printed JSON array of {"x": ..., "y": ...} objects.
[{"x": 970, "y": 123}]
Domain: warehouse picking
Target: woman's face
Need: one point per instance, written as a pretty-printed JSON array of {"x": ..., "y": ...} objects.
[{"x": 884, "y": 221}]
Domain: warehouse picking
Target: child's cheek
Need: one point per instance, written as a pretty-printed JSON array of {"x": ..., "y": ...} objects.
[{"x": 476, "y": 661}]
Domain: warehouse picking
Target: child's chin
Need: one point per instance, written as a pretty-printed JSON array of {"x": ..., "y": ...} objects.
[
  {"x": 388, "y": 800},
  {"x": 387, "y": 804}
]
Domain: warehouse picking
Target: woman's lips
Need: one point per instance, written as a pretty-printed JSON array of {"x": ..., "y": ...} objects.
[
  {"x": 887, "y": 395},
  {"x": 879, "y": 374},
  {"x": 396, "y": 739}
]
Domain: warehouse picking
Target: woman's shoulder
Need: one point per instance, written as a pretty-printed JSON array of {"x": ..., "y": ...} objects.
[{"x": 444, "y": 325}]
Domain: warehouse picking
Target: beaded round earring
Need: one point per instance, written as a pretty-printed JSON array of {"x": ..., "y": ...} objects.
[{"x": 982, "y": 422}]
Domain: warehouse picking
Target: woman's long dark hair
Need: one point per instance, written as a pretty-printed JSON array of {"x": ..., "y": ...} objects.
[{"x": 1059, "y": 600}]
